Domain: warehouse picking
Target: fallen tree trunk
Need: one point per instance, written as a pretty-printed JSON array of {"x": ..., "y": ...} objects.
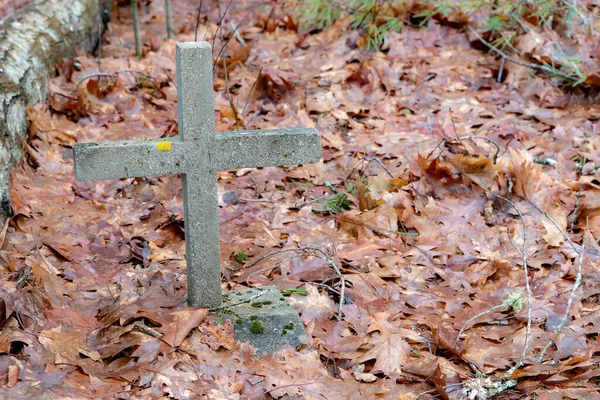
[{"x": 32, "y": 40}]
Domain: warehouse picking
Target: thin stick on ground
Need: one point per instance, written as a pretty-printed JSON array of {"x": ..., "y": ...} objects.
[
  {"x": 198, "y": 22},
  {"x": 250, "y": 93},
  {"x": 233, "y": 35},
  {"x": 369, "y": 160},
  {"x": 136, "y": 28},
  {"x": 169, "y": 19},
  {"x": 576, "y": 284},
  {"x": 228, "y": 93},
  {"x": 239, "y": 37},
  {"x": 219, "y": 24},
  {"x": 435, "y": 390},
  {"x": 502, "y": 306},
  {"x": 456, "y": 132},
  {"x": 378, "y": 161},
  {"x": 527, "y": 288},
  {"x": 105, "y": 74},
  {"x": 100, "y": 49},
  {"x": 501, "y": 69}
]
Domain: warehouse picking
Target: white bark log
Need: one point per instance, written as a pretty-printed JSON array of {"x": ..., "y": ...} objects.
[{"x": 32, "y": 40}]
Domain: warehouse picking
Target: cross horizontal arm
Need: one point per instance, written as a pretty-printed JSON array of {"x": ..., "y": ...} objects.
[
  {"x": 128, "y": 159},
  {"x": 252, "y": 149}
]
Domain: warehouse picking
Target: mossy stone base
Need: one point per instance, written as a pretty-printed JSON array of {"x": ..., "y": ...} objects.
[{"x": 264, "y": 319}]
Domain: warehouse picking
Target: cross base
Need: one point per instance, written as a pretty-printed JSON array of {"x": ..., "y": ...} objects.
[{"x": 263, "y": 318}]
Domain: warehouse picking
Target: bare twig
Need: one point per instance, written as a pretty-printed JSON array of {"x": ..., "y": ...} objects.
[
  {"x": 250, "y": 299},
  {"x": 140, "y": 327},
  {"x": 230, "y": 37},
  {"x": 255, "y": 200},
  {"x": 198, "y": 22},
  {"x": 435, "y": 390},
  {"x": 169, "y": 77},
  {"x": 501, "y": 70},
  {"x": 549, "y": 162},
  {"x": 100, "y": 50},
  {"x": 169, "y": 18},
  {"x": 527, "y": 288},
  {"x": 574, "y": 288},
  {"x": 239, "y": 37},
  {"x": 327, "y": 287},
  {"x": 251, "y": 89},
  {"x": 378, "y": 161},
  {"x": 106, "y": 74},
  {"x": 136, "y": 28},
  {"x": 219, "y": 24},
  {"x": 502, "y": 306},
  {"x": 455, "y": 131},
  {"x": 228, "y": 93}
]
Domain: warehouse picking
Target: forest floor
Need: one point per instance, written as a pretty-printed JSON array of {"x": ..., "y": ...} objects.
[{"x": 462, "y": 213}]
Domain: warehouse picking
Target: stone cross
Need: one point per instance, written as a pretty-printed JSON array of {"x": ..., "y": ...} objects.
[{"x": 197, "y": 153}]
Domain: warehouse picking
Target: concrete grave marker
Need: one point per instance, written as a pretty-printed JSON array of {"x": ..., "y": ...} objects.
[{"x": 197, "y": 153}]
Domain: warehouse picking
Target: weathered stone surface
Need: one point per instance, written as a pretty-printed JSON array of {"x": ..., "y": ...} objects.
[
  {"x": 263, "y": 318},
  {"x": 197, "y": 153},
  {"x": 32, "y": 40}
]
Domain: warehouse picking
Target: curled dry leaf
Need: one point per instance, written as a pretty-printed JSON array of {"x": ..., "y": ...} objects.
[{"x": 275, "y": 82}]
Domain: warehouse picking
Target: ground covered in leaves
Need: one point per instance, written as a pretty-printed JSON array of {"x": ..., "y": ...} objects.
[{"x": 437, "y": 184}]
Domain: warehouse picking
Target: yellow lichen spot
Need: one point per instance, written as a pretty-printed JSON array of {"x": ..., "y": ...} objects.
[{"x": 163, "y": 146}]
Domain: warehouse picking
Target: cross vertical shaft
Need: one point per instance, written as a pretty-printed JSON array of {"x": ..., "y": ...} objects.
[{"x": 200, "y": 202}]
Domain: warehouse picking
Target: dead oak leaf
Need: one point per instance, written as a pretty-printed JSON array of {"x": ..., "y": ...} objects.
[
  {"x": 180, "y": 323},
  {"x": 314, "y": 305},
  {"x": 480, "y": 169},
  {"x": 359, "y": 375},
  {"x": 390, "y": 353},
  {"x": 218, "y": 336},
  {"x": 47, "y": 275},
  {"x": 276, "y": 82}
]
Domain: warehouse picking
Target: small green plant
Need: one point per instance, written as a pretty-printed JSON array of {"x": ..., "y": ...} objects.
[
  {"x": 317, "y": 14},
  {"x": 514, "y": 300},
  {"x": 260, "y": 304},
  {"x": 502, "y": 20},
  {"x": 287, "y": 328},
  {"x": 375, "y": 18},
  {"x": 257, "y": 327},
  {"x": 339, "y": 201},
  {"x": 240, "y": 256}
]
